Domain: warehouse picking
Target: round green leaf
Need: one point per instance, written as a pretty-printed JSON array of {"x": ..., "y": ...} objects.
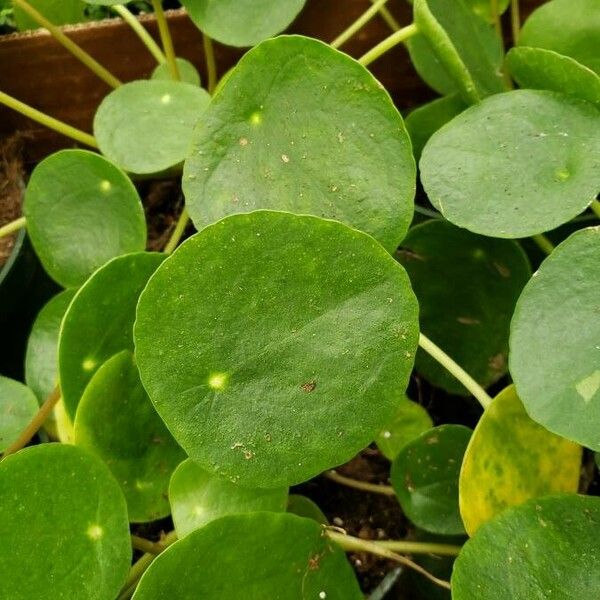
[
  {"x": 242, "y": 22},
  {"x": 41, "y": 360},
  {"x": 99, "y": 321},
  {"x": 467, "y": 286},
  {"x": 146, "y": 126},
  {"x": 305, "y": 507},
  {"x": 18, "y": 405},
  {"x": 511, "y": 459},
  {"x": 553, "y": 139},
  {"x": 300, "y": 126},
  {"x": 456, "y": 50},
  {"x": 424, "y": 121},
  {"x": 541, "y": 69},
  {"x": 425, "y": 478},
  {"x": 275, "y": 346},
  {"x": 81, "y": 211},
  {"x": 410, "y": 420},
  {"x": 567, "y": 27},
  {"x": 554, "y": 353},
  {"x": 58, "y": 12},
  {"x": 546, "y": 548},
  {"x": 197, "y": 498},
  {"x": 187, "y": 71},
  {"x": 252, "y": 556},
  {"x": 116, "y": 421},
  {"x": 63, "y": 525}
]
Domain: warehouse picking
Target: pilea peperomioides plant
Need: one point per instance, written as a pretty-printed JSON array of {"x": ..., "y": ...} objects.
[{"x": 200, "y": 383}]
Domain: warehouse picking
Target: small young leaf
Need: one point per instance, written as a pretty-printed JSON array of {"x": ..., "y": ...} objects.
[
  {"x": 116, "y": 421},
  {"x": 467, "y": 286},
  {"x": 300, "y": 126},
  {"x": 305, "y": 507},
  {"x": 146, "y": 126},
  {"x": 546, "y": 548},
  {"x": 554, "y": 354},
  {"x": 58, "y": 12},
  {"x": 567, "y": 27},
  {"x": 18, "y": 405},
  {"x": 410, "y": 420},
  {"x": 81, "y": 211},
  {"x": 254, "y": 557},
  {"x": 197, "y": 498},
  {"x": 276, "y": 346},
  {"x": 541, "y": 69},
  {"x": 511, "y": 459},
  {"x": 187, "y": 71},
  {"x": 64, "y": 518},
  {"x": 242, "y": 22},
  {"x": 99, "y": 321},
  {"x": 425, "y": 478},
  {"x": 555, "y": 141},
  {"x": 41, "y": 359}
]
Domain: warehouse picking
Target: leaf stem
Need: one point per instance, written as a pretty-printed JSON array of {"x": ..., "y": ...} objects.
[
  {"x": 46, "y": 120},
  {"x": 388, "y": 17},
  {"x": 77, "y": 51},
  {"x": 211, "y": 64},
  {"x": 177, "y": 232},
  {"x": 146, "y": 546},
  {"x": 12, "y": 227},
  {"x": 386, "y": 490},
  {"x": 353, "y": 544},
  {"x": 515, "y": 20},
  {"x": 35, "y": 423},
  {"x": 496, "y": 18},
  {"x": 545, "y": 245},
  {"x": 455, "y": 369},
  {"x": 595, "y": 206},
  {"x": 409, "y": 547},
  {"x": 388, "y": 43},
  {"x": 358, "y": 24},
  {"x": 166, "y": 39},
  {"x": 141, "y": 32}
]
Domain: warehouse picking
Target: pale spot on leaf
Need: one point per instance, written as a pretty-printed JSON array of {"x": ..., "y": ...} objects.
[
  {"x": 588, "y": 387},
  {"x": 95, "y": 532}
]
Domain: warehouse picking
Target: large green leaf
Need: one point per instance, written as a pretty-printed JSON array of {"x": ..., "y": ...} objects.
[
  {"x": 425, "y": 478},
  {"x": 198, "y": 497},
  {"x": 146, "y": 126},
  {"x": 242, "y": 22},
  {"x": 58, "y": 12},
  {"x": 18, "y": 405},
  {"x": 63, "y": 526},
  {"x": 546, "y": 548},
  {"x": 276, "y": 346},
  {"x": 510, "y": 459},
  {"x": 41, "y": 360},
  {"x": 554, "y": 349},
  {"x": 81, "y": 211},
  {"x": 300, "y": 126},
  {"x": 99, "y": 321},
  {"x": 542, "y": 69},
  {"x": 254, "y": 557},
  {"x": 568, "y": 27},
  {"x": 467, "y": 286},
  {"x": 116, "y": 421},
  {"x": 516, "y": 164}
]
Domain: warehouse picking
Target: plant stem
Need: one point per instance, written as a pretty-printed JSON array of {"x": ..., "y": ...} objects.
[
  {"x": 50, "y": 122},
  {"x": 454, "y": 369},
  {"x": 35, "y": 423},
  {"x": 177, "y": 232},
  {"x": 515, "y": 20},
  {"x": 12, "y": 227},
  {"x": 141, "y": 32},
  {"x": 545, "y": 245},
  {"x": 388, "y": 43},
  {"x": 352, "y": 544},
  {"x": 386, "y": 490},
  {"x": 358, "y": 24},
  {"x": 496, "y": 18},
  {"x": 595, "y": 206},
  {"x": 211, "y": 64},
  {"x": 388, "y": 17},
  {"x": 146, "y": 546},
  {"x": 419, "y": 547},
  {"x": 167, "y": 40},
  {"x": 69, "y": 44}
]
